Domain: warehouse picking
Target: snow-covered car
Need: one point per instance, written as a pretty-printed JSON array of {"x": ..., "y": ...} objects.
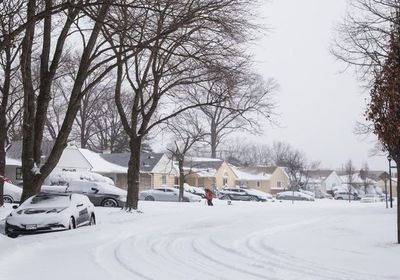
[
  {"x": 346, "y": 196},
  {"x": 242, "y": 194},
  {"x": 194, "y": 190},
  {"x": 371, "y": 198},
  {"x": 11, "y": 193},
  {"x": 47, "y": 212},
  {"x": 99, "y": 193},
  {"x": 290, "y": 195},
  {"x": 167, "y": 194}
]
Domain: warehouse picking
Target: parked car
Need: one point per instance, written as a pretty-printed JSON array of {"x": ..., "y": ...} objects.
[
  {"x": 370, "y": 198},
  {"x": 242, "y": 194},
  {"x": 290, "y": 195},
  {"x": 346, "y": 196},
  {"x": 47, "y": 212},
  {"x": 99, "y": 193},
  {"x": 11, "y": 193},
  {"x": 167, "y": 194}
]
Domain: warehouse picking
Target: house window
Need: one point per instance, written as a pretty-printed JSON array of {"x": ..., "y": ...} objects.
[
  {"x": 164, "y": 179},
  {"x": 18, "y": 173},
  {"x": 201, "y": 182},
  {"x": 225, "y": 179},
  {"x": 279, "y": 185},
  {"x": 258, "y": 184},
  {"x": 176, "y": 181}
]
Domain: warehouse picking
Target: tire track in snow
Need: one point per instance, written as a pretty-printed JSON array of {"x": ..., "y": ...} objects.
[{"x": 108, "y": 257}]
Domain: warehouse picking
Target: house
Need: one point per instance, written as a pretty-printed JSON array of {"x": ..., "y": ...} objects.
[
  {"x": 13, "y": 170},
  {"x": 13, "y": 159},
  {"x": 321, "y": 181},
  {"x": 156, "y": 169},
  {"x": 200, "y": 172},
  {"x": 272, "y": 179}
]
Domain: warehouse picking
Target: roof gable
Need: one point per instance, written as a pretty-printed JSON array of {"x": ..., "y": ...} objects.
[{"x": 147, "y": 160}]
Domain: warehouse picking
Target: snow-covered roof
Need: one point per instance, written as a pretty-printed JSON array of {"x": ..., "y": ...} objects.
[
  {"x": 13, "y": 162},
  {"x": 245, "y": 176},
  {"x": 101, "y": 165},
  {"x": 148, "y": 160}
]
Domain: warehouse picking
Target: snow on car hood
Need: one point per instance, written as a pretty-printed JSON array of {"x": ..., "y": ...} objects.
[{"x": 109, "y": 189}]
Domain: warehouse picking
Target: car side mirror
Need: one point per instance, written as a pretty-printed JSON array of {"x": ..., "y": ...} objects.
[
  {"x": 14, "y": 206},
  {"x": 96, "y": 190}
]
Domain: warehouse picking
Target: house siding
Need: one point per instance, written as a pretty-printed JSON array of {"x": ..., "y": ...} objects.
[
  {"x": 225, "y": 171},
  {"x": 279, "y": 175}
]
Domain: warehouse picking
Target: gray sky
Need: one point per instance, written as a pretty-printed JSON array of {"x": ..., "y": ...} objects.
[{"x": 318, "y": 104}]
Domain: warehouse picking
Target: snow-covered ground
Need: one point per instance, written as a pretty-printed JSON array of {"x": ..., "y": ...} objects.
[{"x": 246, "y": 240}]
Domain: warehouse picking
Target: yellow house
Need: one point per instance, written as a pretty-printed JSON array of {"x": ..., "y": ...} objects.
[
  {"x": 209, "y": 173},
  {"x": 270, "y": 179}
]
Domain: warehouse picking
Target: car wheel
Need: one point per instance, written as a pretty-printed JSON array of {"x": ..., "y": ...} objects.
[
  {"x": 72, "y": 224},
  {"x": 92, "y": 220},
  {"x": 339, "y": 198},
  {"x": 11, "y": 235},
  {"x": 109, "y": 202},
  {"x": 253, "y": 198},
  {"x": 149, "y": 198},
  {"x": 8, "y": 199},
  {"x": 185, "y": 199},
  {"x": 225, "y": 197}
]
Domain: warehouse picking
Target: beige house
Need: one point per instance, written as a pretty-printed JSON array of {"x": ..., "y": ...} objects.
[
  {"x": 208, "y": 173},
  {"x": 156, "y": 170},
  {"x": 270, "y": 179}
]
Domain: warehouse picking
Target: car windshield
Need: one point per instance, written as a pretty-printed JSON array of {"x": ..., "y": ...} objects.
[{"x": 48, "y": 200}]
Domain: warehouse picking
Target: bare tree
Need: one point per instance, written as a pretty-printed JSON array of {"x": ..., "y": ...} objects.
[
  {"x": 49, "y": 46},
  {"x": 241, "y": 152},
  {"x": 187, "y": 43},
  {"x": 187, "y": 132},
  {"x": 350, "y": 171},
  {"x": 364, "y": 175},
  {"x": 250, "y": 100},
  {"x": 9, "y": 79},
  {"x": 363, "y": 37}
]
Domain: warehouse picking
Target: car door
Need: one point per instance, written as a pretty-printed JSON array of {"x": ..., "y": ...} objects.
[
  {"x": 82, "y": 210},
  {"x": 171, "y": 195},
  {"x": 243, "y": 195}
]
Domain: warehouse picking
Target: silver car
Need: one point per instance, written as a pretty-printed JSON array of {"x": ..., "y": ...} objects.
[{"x": 167, "y": 194}]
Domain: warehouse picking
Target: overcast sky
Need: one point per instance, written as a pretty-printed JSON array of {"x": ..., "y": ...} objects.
[{"x": 318, "y": 105}]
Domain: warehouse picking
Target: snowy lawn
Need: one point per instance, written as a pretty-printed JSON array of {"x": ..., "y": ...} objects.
[{"x": 246, "y": 240}]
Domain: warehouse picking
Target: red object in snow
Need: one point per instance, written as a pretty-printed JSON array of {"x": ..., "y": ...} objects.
[{"x": 5, "y": 179}]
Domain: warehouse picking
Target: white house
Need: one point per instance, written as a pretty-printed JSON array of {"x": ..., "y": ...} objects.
[{"x": 322, "y": 180}]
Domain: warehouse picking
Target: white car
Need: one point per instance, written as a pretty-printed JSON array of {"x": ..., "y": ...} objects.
[
  {"x": 290, "y": 195},
  {"x": 12, "y": 193},
  {"x": 371, "y": 198},
  {"x": 47, "y": 212},
  {"x": 167, "y": 194}
]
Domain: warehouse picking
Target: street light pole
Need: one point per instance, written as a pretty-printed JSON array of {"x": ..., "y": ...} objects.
[
  {"x": 386, "y": 192},
  {"x": 390, "y": 180}
]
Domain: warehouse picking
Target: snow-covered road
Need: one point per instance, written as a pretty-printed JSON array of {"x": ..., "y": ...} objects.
[{"x": 307, "y": 240}]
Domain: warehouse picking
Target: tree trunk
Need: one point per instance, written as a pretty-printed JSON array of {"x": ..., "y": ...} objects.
[
  {"x": 213, "y": 141},
  {"x": 133, "y": 174},
  {"x": 398, "y": 201},
  {"x": 181, "y": 178}
]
